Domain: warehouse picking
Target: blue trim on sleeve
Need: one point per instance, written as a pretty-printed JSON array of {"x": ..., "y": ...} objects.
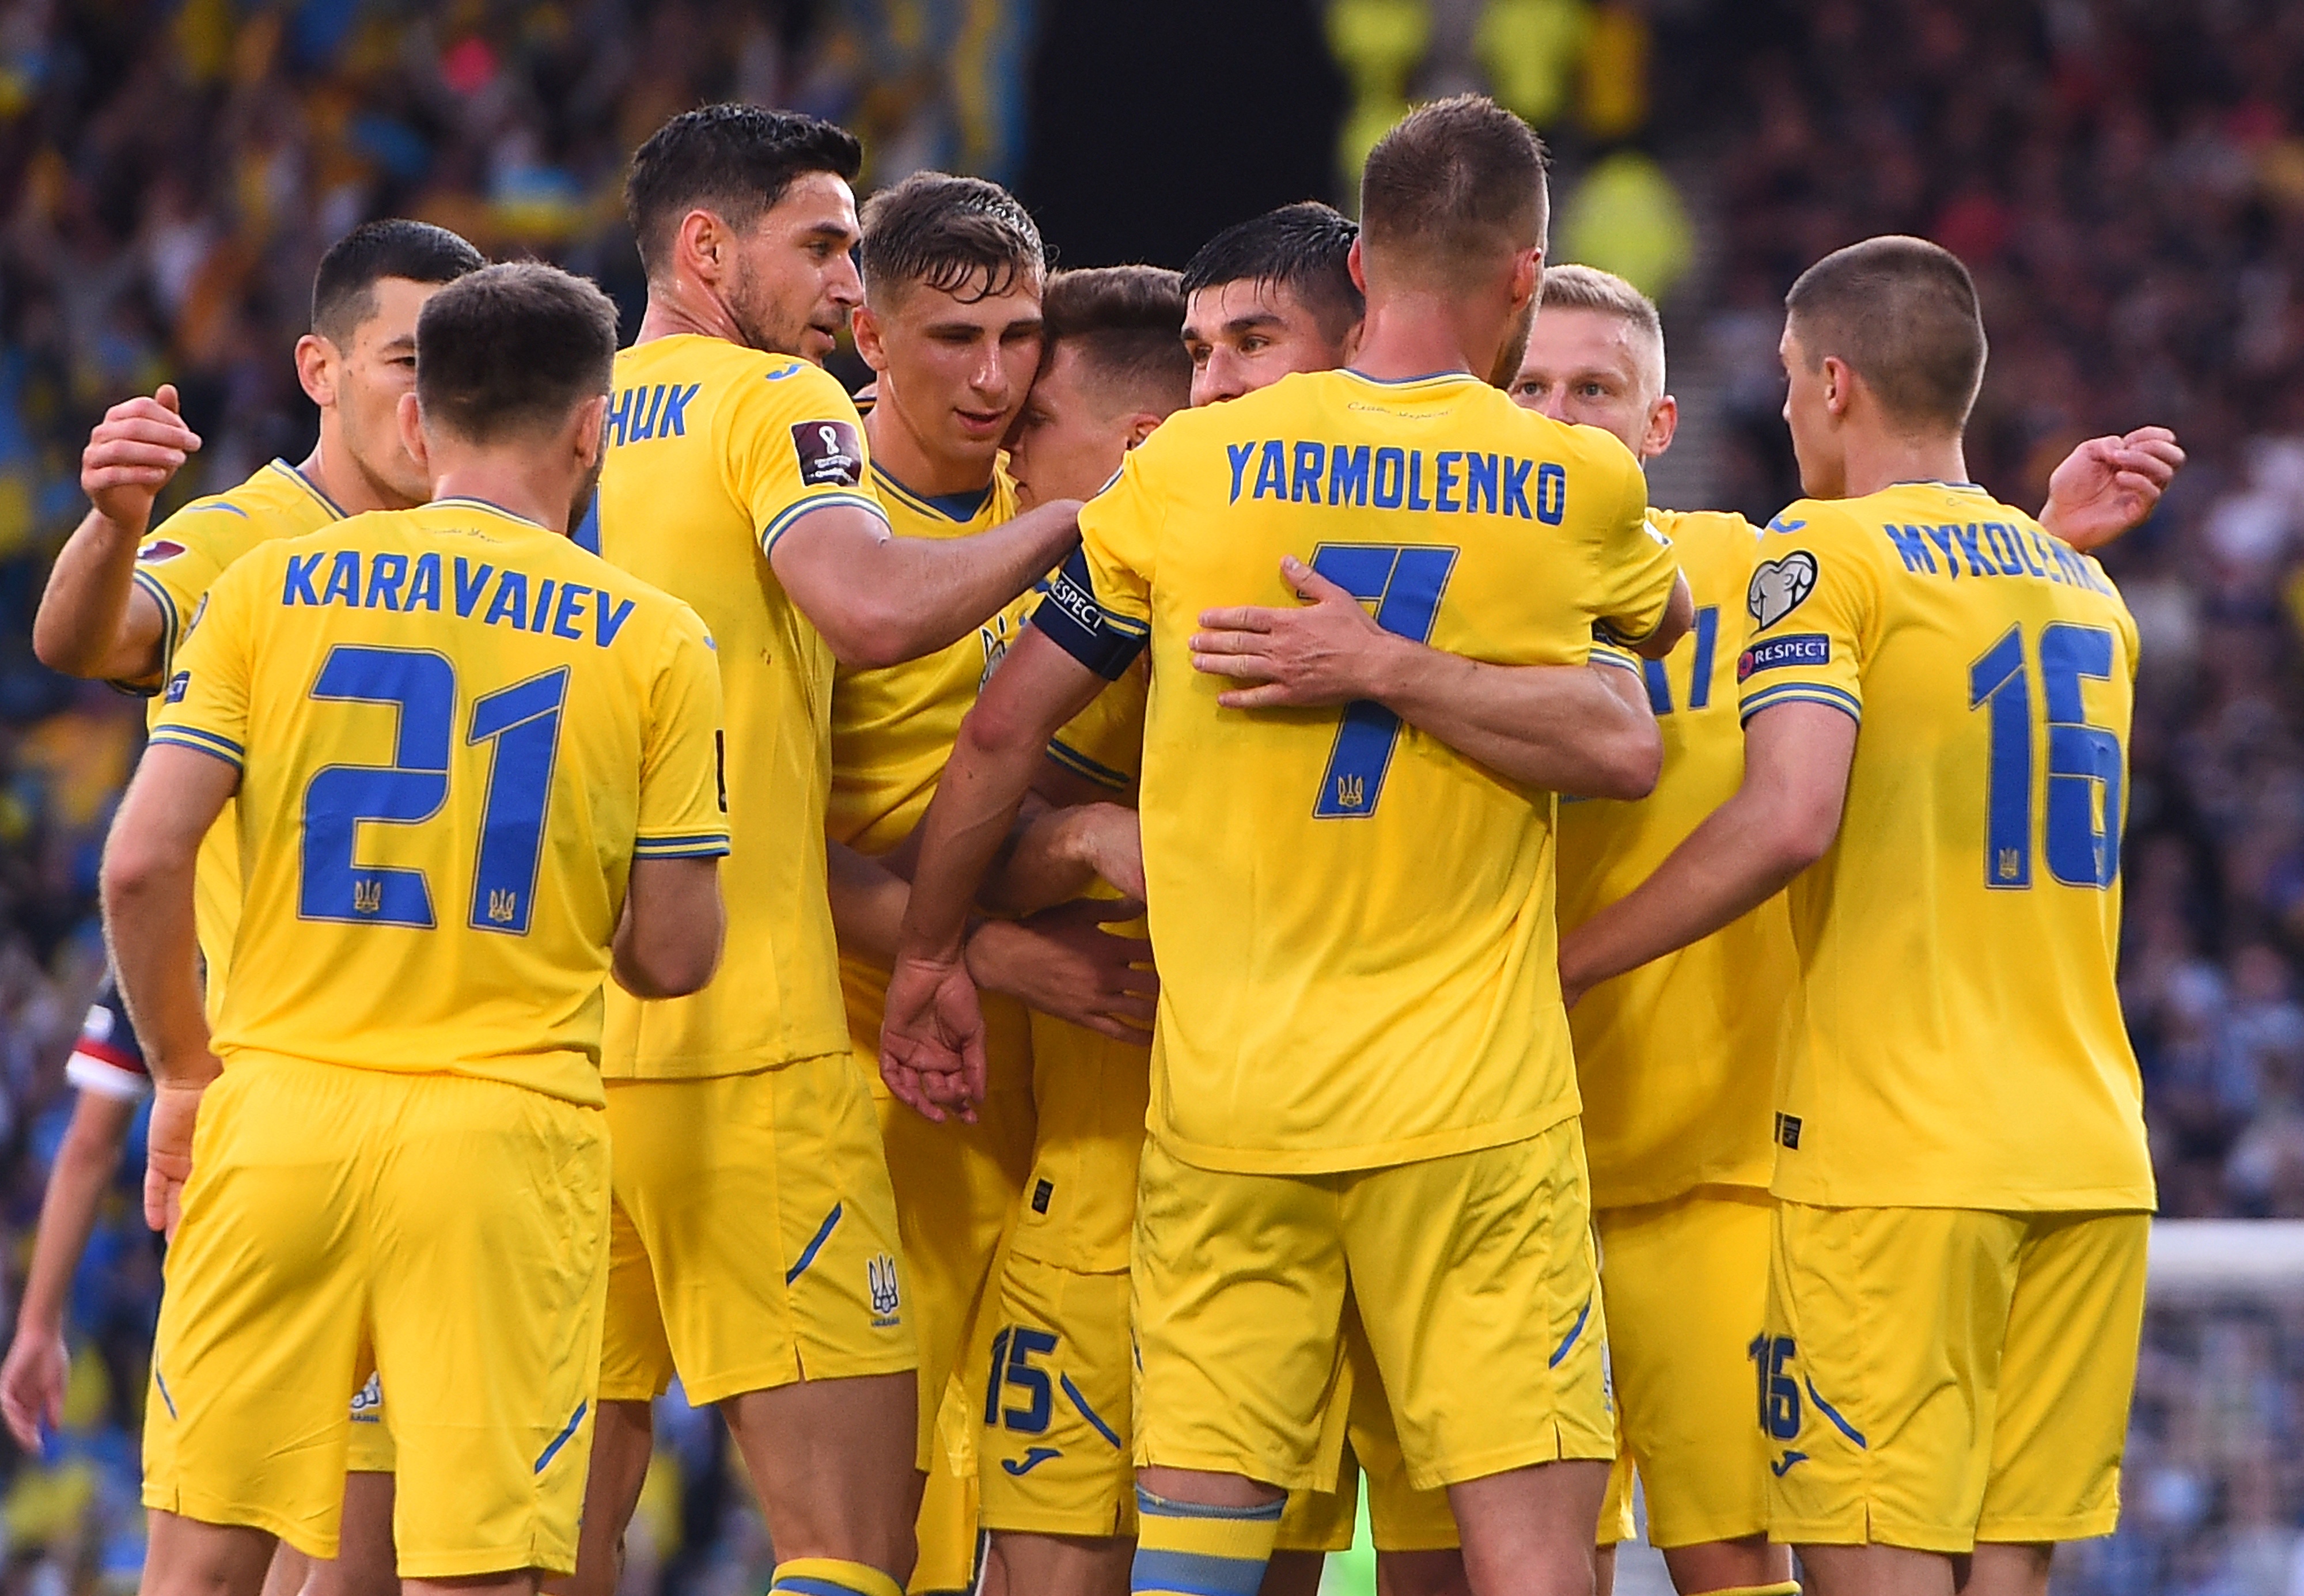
[
  {"x": 695, "y": 845},
  {"x": 1080, "y": 764},
  {"x": 202, "y": 742},
  {"x": 790, "y": 514},
  {"x": 1804, "y": 692},
  {"x": 171, "y": 619}
]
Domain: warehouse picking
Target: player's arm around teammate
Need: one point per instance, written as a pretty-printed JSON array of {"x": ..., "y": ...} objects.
[
  {"x": 1939, "y": 1501},
  {"x": 598, "y": 859}
]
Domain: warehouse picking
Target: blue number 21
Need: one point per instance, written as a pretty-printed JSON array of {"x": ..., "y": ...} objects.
[
  {"x": 523, "y": 722},
  {"x": 2082, "y": 849},
  {"x": 1404, "y": 582}
]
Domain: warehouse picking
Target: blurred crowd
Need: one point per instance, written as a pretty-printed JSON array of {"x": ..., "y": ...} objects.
[{"x": 2126, "y": 179}]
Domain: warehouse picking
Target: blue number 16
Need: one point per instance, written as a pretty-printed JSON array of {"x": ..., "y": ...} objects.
[
  {"x": 1404, "y": 582},
  {"x": 522, "y": 720},
  {"x": 2083, "y": 850}
]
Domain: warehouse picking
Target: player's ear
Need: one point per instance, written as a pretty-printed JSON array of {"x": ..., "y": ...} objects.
[
  {"x": 1839, "y": 386},
  {"x": 1141, "y": 425},
  {"x": 1663, "y": 421},
  {"x": 591, "y": 425},
  {"x": 700, "y": 243},
  {"x": 412, "y": 431},
  {"x": 316, "y": 368},
  {"x": 1357, "y": 266},
  {"x": 870, "y": 341},
  {"x": 1528, "y": 275}
]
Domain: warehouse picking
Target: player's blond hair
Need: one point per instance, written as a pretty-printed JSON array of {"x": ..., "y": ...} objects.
[{"x": 1589, "y": 288}]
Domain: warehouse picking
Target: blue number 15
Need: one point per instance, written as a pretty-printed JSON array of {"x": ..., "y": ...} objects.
[
  {"x": 1404, "y": 582},
  {"x": 522, "y": 720},
  {"x": 2084, "y": 761}
]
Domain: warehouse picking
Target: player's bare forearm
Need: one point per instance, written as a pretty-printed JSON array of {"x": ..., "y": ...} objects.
[
  {"x": 868, "y": 903},
  {"x": 880, "y": 600},
  {"x": 1061, "y": 854},
  {"x": 1779, "y": 821},
  {"x": 147, "y": 906},
  {"x": 1582, "y": 730},
  {"x": 85, "y": 1162},
  {"x": 1037, "y": 688},
  {"x": 93, "y": 621}
]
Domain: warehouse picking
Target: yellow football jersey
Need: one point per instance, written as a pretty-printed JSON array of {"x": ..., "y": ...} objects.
[
  {"x": 1958, "y": 1040},
  {"x": 893, "y": 731},
  {"x": 713, "y": 451},
  {"x": 455, "y": 732},
  {"x": 1354, "y": 923},
  {"x": 175, "y": 565},
  {"x": 1676, "y": 1060},
  {"x": 1104, "y": 742}
]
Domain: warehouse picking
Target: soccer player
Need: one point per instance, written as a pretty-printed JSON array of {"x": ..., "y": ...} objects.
[
  {"x": 1353, "y": 1076},
  {"x": 1936, "y": 699},
  {"x": 1675, "y": 1059},
  {"x": 1053, "y": 1390},
  {"x": 950, "y": 323},
  {"x": 115, "y": 608},
  {"x": 755, "y": 1249},
  {"x": 477, "y": 774}
]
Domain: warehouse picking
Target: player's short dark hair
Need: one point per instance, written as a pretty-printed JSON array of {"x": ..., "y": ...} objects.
[
  {"x": 735, "y": 161},
  {"x": 1451, "y": 187},
  {"x": 343, "y": 290},
  {"x": 1902, "y": 312},
  {"x": 513, "y": 349},
  {"x": 1126, "y": 324},
  {"x": 1302, "y": 247},
  {"x": 961, "y": 235}
]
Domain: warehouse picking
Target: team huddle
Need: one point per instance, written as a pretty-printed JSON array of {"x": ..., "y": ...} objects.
[{"x": 1189, "y": 902}]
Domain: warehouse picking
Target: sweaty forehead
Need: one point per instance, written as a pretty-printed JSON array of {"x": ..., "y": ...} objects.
[{"x": 813, "y": 201}]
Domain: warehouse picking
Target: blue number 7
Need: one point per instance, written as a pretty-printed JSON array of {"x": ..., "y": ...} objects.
[
  {"x": 1404, "y": 582},
  {"x": 523, "y": 722}
]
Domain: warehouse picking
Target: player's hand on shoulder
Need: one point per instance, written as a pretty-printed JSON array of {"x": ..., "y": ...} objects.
[
  {"x": 33, "y": 1384},
  {"x": 932, "y": 1038},
  {"x": 134, "y": 453},
  {"x": 2110, "y": 485},
  {"x": 168, "y": 1151},
  {"x": 1065, "y": 963},
  {"x": 1325, "y": 652}
]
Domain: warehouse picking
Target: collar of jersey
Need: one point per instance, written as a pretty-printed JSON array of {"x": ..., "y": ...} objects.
[
  {"x": 959, "y": 508},
  {"x": 1428, "y": 378},
  {"x": 310, "y": 486},
  {"x": 1963, "y": 487},
  {"x": 493, "y": 508}
]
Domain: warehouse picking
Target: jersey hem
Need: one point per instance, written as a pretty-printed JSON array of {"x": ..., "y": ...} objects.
[
  {"x": 1377, "y": 1155},
  {"x": 714, "y": 1066},
  {"x": 241, "y": 1056},
  {"x": 1604, "y": 1199},
  {"x": 2108, "y": 1199}
]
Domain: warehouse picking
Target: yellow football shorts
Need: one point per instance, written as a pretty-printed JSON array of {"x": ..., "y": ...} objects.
[
  {"x": 753, "y": 1237},
  {"x": 330, "y": 1207},
  {"x": 1461, "y": 1264},
  {"x": 1687, "y": 1282},
  {"x": 1935, "y": 1377}
]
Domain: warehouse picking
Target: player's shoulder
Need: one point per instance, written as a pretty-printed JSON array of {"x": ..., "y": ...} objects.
[
  {"x": 277, "y": 501},
  {"x": 1839, "y": 521},
  {"x": 1706, "y": 528}
]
